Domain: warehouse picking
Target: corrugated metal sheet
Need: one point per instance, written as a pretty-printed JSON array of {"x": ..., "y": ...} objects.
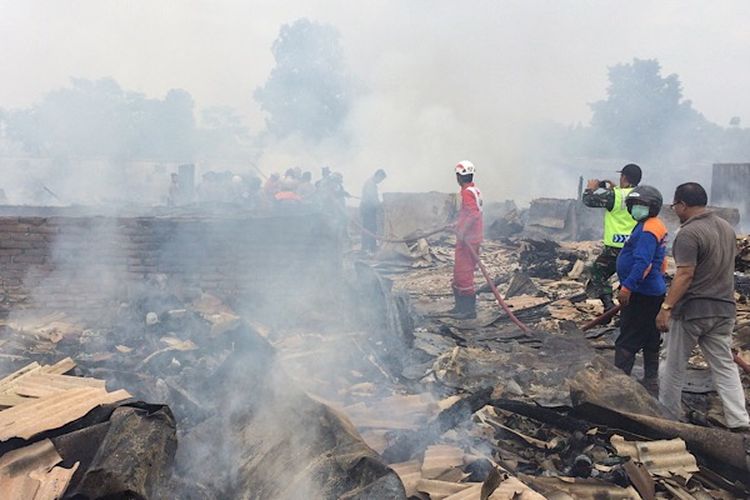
[
  {"x": 513, "y": 489},
  {"x": 510, "y": 489},
  {"x": 55, "y": 482},
  {"x": 439, "y": 459},
  {"x": 61, "y": 367},
  {"x": 41, "y": 454},
  {"x": 580, "y": 489},
  {"x": 40, "y": 385},
  {"x": 661, "y": 458},
  {"x": 7, "y": 381},
  {"x": 394, "y": 412},
  {"x": 51, "y": 412},
  {"x": 53, "y": 400},
  {"x": 410, "y": 474},
  {"x": 29, "y": 473},
  {"x": 35, "y": 381}
]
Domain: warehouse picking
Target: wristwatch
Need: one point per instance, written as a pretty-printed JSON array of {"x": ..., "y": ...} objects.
[{"x": 666, "y": 307}]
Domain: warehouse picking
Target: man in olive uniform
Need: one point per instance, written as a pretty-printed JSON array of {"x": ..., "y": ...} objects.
[{"x": 618, "y": 224}]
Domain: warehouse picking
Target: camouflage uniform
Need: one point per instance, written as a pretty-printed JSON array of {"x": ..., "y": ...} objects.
[
  {"x": 604, "y": 267},
  {"x": 605, "y": 264}
]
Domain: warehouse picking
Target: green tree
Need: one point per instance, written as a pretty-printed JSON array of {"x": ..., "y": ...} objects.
[
  {"x": 308, "y": 91},
  {"x": 97, "y": 118},
  {"x": 643, "y": 111}
]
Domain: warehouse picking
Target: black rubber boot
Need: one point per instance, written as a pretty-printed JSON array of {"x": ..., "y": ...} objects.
[
  {"x": 471, "y": 307},
  {"x": 456, "y": 303},
  {"x": 607, "y": 302},
  {"x": 468, "y": 307},
  {"x": 624, "y": 360},
  {"x": 651, "y": 372}
]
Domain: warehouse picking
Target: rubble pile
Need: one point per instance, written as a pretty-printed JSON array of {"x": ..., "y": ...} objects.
[
  {"x": 742, "y": 260},
  {"x": 373, "y": 393},
  {"x": 238, "y": 417},
  {"x": 62, "y": 434},
  {"x": 552, "y": 410}
]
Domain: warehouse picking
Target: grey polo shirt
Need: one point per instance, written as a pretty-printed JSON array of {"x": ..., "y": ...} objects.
[{"x": 709, "y": 243}]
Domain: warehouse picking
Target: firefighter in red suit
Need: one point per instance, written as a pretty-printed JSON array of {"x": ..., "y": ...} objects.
[{"x": 469, "y": 233}]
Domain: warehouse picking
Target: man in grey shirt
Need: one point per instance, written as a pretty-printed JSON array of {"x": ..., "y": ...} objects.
[{"x": 700, "y": 304}]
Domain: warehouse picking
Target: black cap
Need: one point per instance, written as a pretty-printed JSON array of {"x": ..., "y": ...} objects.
[{"x": 632, "y": 172}]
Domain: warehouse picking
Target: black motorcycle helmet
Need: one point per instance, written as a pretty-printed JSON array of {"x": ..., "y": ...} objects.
[{"x": 645, "y": 195}]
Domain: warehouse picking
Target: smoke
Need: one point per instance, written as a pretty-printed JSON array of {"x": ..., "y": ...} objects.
[
  {"x": 428, "y": 100},
  {"x": 431, "y": 83},
  {"x": 435, "y": 83}
]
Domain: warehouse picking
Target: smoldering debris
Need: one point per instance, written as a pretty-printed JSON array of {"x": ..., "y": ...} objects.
[
  {"x": 229, "y": 396},
  {"x": 556, "y": 403},
  {"x": 374, "y": 392},
  {"x": 64, "y": 434}
]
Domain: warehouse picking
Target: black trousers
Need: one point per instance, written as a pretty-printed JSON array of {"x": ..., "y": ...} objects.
[
  {"x": 370, "y": 223},
  {"x": 638, "y": 324}
]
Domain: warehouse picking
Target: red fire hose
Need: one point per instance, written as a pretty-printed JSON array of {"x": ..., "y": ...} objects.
[
  {"x": 740, "y": 362},
  {"x": 602, "y": 318},
  {"x": 496, "y": 293},
  {"x": 404, "y": 240},
  {"x": 486, "y": 275}
]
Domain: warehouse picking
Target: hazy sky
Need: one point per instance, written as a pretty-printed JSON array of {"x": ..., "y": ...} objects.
[
  {"x": 551, "y": 54},
  {"x": 446, "y": 80}
]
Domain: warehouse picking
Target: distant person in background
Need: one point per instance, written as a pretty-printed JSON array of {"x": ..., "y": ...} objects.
[
  {"x": 305, "y": 189},
  {"x": 339, "y": 194},
  {"x": 290, "y": 180},
  {"x": 618, "y": 224},
  {"x": 272, "y": 186},
  {"x": 369, "y": 206},
  {"x": 254, "y": 188},
  {"x": 239, "y": 192},
  {"x": 174, "y": 191},
  {"x": 325, "y": 174}
]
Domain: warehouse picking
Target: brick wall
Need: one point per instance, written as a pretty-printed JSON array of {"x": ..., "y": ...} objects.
[{"x": 86, "y": 263}]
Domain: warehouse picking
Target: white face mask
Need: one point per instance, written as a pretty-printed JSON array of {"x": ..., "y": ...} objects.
[{"x": 639, "y": 212}]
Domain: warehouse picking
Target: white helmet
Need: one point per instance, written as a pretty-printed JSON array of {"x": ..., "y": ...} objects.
[
  {"x": 236, "y": 179},
  {"x": 465, "y": 168}
]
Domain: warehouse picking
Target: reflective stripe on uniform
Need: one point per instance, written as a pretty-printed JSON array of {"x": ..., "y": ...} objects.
[
  {"x": 618, "y": 223},
  {"x": 477, "y": 196}
]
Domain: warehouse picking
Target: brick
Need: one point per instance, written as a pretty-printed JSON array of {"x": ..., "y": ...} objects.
[
  {"x": 27, "y": 236},
  {"x": 28, "y": 259},
  {"x": 39, "y": 250},
  {"x": 6, "y": 243},
  {"x": 34, "y": 221}
]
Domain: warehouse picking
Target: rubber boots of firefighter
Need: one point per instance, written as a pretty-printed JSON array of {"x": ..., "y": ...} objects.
[
  {"x": 651, "y": 372},
  {"x": 467, "y": 307},
  {"x": 624, "y": 359},
  {"x": 456, "y": 303}
]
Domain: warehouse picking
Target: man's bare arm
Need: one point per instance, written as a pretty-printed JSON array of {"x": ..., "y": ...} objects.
[{"x": 680, "y": 284}]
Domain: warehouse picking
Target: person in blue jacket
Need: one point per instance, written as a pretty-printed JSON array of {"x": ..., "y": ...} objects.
[{"x": 640, "y": 268}]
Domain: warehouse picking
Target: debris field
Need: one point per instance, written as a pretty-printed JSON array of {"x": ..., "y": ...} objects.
[{"x": 175, "y": 392}]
